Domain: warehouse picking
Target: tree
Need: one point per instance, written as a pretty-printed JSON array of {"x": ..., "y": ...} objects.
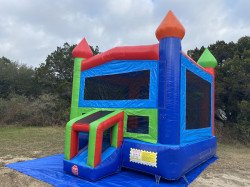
[
  {"x": 7, "y": 71},
  {"x": 232, "y": 86},
  {"x": 15, "y": 79},
  {"x": 221, "y": 50},
  {"x": 196, "y": 53},
  {"x": 55, "y": 75}
]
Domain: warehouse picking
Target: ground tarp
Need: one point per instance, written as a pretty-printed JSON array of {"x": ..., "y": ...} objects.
[{"x": 50, "y": 169}]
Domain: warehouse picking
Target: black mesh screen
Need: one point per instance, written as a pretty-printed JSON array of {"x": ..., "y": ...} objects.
[
  {"x": 125, "y": 86},
  {"x": 106, "y": 141},
  {"x": 138, "y": 124},
  {"x": 198, "y": 98},
  {"x": 82, "y": 140},
  {"x": 93, "y": 117}
]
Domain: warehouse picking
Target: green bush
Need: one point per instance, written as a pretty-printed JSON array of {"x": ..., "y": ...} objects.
[
  {"x": 232, "y": 133},
  {"x": 44, "y": 110},
  {"x": 242, "y": 133}
]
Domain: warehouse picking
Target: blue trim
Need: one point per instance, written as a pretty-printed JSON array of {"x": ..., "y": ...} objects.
[
  {"x": 81, "y": 158},
  {"x": 173, "y": 161},
  {"x": 111, "y": 163},
  {"x": 117, "y": 67},
  {"x": 169, "y": 91},
  {"x": 188, "y": 136}
]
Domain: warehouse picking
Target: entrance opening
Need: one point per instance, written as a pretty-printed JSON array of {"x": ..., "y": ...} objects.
[{"x": 106, "y": 141}]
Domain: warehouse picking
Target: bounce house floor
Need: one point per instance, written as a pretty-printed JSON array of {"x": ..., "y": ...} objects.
[{"x": 50, "y": 170}]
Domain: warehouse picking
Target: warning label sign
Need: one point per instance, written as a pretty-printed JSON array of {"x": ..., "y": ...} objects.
[{"x": 143, "y": 157}]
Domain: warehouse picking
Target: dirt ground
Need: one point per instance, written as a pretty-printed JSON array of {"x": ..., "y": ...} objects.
[{"x": 231, "y": 169}]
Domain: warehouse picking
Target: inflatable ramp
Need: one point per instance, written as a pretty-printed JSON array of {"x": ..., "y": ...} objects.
[{"x": 100, "y": 154}]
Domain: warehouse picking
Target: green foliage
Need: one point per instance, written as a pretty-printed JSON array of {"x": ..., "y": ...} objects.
[
  {"x": 41, "y": 111},
  {"x": 55, "y": 75},
  {"x": 221, "y": 50},
  {"x": 232, "y": 86},
  {"x": 196, "y": 53},
  {"x": 39, "y": 96},
  {"x": 15, "y": 78}
]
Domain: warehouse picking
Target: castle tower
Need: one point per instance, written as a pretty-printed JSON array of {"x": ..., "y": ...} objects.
[
  {"x": 81, "y": 52},
  {"x": 208, "y": 61},
  {"x": 169, "y": 33}
]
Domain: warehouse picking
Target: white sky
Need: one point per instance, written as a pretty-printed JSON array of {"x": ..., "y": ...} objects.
[{"x": 32, "y": 29}]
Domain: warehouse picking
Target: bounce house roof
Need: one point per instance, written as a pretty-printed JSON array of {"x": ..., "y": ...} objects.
[
  {"x": 146, "y": 52},
  {"x": 169, "y": 27}
]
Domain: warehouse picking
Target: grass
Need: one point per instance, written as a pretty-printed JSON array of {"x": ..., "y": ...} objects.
[
  {"x": 36, "y": 142},
  {"x": 31, "y": 141}
]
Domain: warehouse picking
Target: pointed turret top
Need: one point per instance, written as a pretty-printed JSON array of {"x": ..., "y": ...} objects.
[
  {"x": 170, "y": 27},
  {"x": 207, "y": 60},
  {"x": 82, "y": 50}
]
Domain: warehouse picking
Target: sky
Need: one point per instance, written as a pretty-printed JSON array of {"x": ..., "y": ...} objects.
[{"x": 31, "y": 29}]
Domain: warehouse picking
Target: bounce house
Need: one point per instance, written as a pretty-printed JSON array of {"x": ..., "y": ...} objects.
[{"x": 146, "y": 108}]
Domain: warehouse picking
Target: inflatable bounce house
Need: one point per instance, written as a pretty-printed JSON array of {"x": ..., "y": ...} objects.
[{"x": 147, "y": 108}]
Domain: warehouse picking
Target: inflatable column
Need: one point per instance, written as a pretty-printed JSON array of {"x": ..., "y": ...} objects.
[
  {"x": 169, "y": 33},
  {"x": 80, "y": 53}
]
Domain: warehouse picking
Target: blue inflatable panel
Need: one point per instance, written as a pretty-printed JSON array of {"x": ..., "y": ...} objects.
[
  {"x": 83, "y": 140},
  {"x": 110, "y": 164},
  {"x": 50, "y": 169},
  {"x": 172, "y": 161},
  {"x": 169, "y": 91},
  {"x": 187, "y": 136}
]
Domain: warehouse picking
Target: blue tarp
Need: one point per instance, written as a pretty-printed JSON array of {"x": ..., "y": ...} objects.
[{"x": 50, "y": 169}]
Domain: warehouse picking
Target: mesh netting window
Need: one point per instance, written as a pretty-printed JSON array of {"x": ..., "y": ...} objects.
[
  {"x": 93, "y": 117},
  {"x": 124, "y": 86},
  {"x": 82, "y": 140},
  {"x": 198, "y": 102},
  {"x": 106, "y": 141},
  {"x": 138, "y": 124}
]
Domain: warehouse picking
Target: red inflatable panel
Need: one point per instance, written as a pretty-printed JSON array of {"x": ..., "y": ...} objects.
[
  {"x": 77, "y": 127},
  {"x": 82, "y": 50},
  {"x": 210, "y": 70},
  {"x": 146, "y": 52},
  {"x": 99, "y": 134}
]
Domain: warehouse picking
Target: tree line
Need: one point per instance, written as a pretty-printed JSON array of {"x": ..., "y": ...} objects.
[
  {"x": 37, "y": 96},
  {"x": 42, "y": 95}
]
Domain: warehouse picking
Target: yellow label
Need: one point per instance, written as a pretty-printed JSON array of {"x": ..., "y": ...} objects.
[
  {"x": 143, "y": 157},
  {"x": 148, "y": 157}
]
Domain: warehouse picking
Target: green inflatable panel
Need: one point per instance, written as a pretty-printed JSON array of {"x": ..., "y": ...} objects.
[{"x": 75, "y": 87}]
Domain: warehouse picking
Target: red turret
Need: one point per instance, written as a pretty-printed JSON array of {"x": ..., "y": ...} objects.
[{"x": 82, "y": 50}]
